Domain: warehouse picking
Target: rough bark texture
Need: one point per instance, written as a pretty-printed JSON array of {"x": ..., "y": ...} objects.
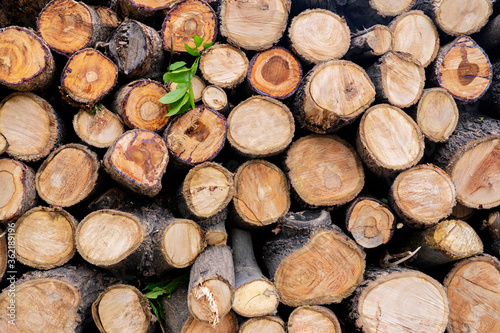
[{"x": 492, "y": 225}]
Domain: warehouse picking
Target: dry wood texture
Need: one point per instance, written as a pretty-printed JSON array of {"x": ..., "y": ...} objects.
[
  {"x": 270, "y": 324},
  {"x": 388, "y": 140},
  {"x": 25, "y": 60},
  {"x": 260, "y": 127},
  {"x": 142, "y": 9},
  {"x": 227, "y": 324},
  {"x": 109, "y": 20},
  {"x": 215, "y": 98},
  {"x": 473, "y": 290},
  {"x": 224, "y": 65},
  {"x": 319, "y": 35},
  {"x": 45, "y": 237},
  {"x": 100, "y": 128},
  {"x": 372, "y": 42},
  {"x": 37, "y": 134},
  {"x": 67, "y": 176},
  {"x": 312, "y": 319},
  {"x": 253, "y": 25},
  {"x": 391, "y": 7},
  {"x": 4, "y": 144}
]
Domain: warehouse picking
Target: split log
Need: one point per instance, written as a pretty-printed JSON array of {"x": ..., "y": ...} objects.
[
  {"x": 137, "y": 50},
  {"x": 332, "y": 95},
  {"x": 142, "y": 9},
  {"x": 39, "y": 131},
  {"x": 63, "y": 298},
  {"x": 196, "y": 136},
  {"x": 137, "y": 160},
  {"x": 45, "y": 237},
  {"x": 324, "y": 170},
  {"x": 416, "y": 34},
  {"x": 312, "y": 319},
  {"x": 99, "y": 129},
  {"x": 4, "y": 144},
  {"x": 312, "y": 261},
  {"x": 437, "y": 114},
  {"x": 224, "y": 65},
  {"x": 473, "y": 289},
  {"x": 370, "y": 222},
  {"x": 260, "y": 127},
  {"x": 215, "y": 98},
  {"x": 399, "y": 300},
  {"x": 388, "y": 140},
  {"x": 109, "y": 21},
  {"x": 138, "y": 105},
  {"x": 122, "y": 308},
  {"x": 198, "y": 87},
  {"x": 67, "y": 176},
  {"x": 17, "y": 181},
  {"x": 274, "y": 73},
  {"x": 318, "y": 35},
  {"x": 492, "y": 226},
  {"x": 445, "y": 242},
  {"x": 26, "y": 63},
  {"x": 211, "y": 285},
  {"x": 423, "y": 195},
  {"x": 464, "y": 69},
  {"x": 398, "y": 78},
  {"x": 370, "y": 43},
  {"x": 268, "y": 324},
  {"x": 68, "y": 26},
  {"x": 261, "y": 194},
  {"x": 253, "y": 25},
  {"x": 87, "y": 77},
  {"x": 254, "y": 294},
  {"x": 186, "y": 19}
]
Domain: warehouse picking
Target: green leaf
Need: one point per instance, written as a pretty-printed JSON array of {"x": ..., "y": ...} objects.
[
  {"x": 156, "y": 292},
  {"x": 191, "y": 94},
  {"x": 198, "y": 40},
  {"x": 191, "y": 51},
  {"x": 384, "y": 200},
  {"x": 156, "y": 308},
  {"x": 174, "y": 108},
  {"x": 194, "y": 67},
  {"x": 481, "y": 118},
  {"x": 180, "y": 70},
  {"x": 182, "y": 77},
  {"x": 175, "y": 65},
  {"x": 173, "y": 96},
  {"x": 207, "y": 45}
]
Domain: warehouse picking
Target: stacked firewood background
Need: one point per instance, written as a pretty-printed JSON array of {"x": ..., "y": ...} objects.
[{"x": 340, "y": 171}]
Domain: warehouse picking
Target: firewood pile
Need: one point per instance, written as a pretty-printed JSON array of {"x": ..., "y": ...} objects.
[{"x": 339, "y": 171}]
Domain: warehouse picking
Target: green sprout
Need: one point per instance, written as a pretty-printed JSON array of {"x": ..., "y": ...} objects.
[
  {"x": 97, "y": 108},
  {"x": 182, "y": 98}
]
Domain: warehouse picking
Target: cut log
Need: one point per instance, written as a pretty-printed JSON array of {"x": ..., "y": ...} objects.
[
  {"x": 324, "y": 170},
  {"x": 399, "y": 79},
  {"x": 215, "y": 98},
  {"x": 268, "y": 324},
  {"x": 388, "y": 140},
  {"x": 473, "y": 289},
  {"x": 464, "y": 69},
  {"x": 423, "y": 195},
  {"x": 274, "y": 73},
  {"x": 391, "y": 8},
  {"x": 416, "y": 34},
  {"x": 196, "y": 136},
  {"x": 87, "y": 77},
  {"x": 492, "y": 226},
  {"x": 362, "y": 13},
  {"x": 45, "y": 237},
  {"x": 109, "y": 20},
  {"x": 63, "y": 298},
  {"x": 37, "y": 134},
  {"x": 400, "y": 300},
  {"x": 437, "y": 114},
  {"x": 67, "y": 176},
  {"x": 142, "y": 9},
  {"x": 186, "y": 19},
  {"x": 4, "y": 144},
  {"x": 253, "y": 25},
  {"x": 312, "y": 319},
  {"x": 372, "y": 42},
  {"x": 445, "y": 242},
  {"x": 224, "y": 65},
  {"x": 254, "y": 294},
  {"x": 261, "y": 194},
  {"x": 198, "y": 87},
  {"x": 312, "y": 262},
  {"x": 99, "y": 129},
  {"x": 370, "y": 222},
  {"x": 137, "y": 160},
  {"x": 260, "y": 127},
  {"x": 211, "y": 285},
  {"x": 137, "y": 50},
  {"x": 122, "y": 308},
  {"x": 332, "y": 95},
  {"x": 138, "y": 105},
  {"x": 68, "y": 26},
  {"x": 318, "y": 35},
  {"x": 25, "y": 60},
  {"x": 18, "y": 194}
]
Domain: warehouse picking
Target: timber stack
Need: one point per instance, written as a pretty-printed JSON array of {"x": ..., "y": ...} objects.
[{"x": 228, "y": 166}]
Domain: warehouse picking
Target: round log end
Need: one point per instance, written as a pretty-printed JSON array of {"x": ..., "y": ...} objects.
[
  {"x": 204, "y": 306},
  {"x": 182, "y": 241},
  {"x": 312, "y": 319},
  {"x": 214, "y": 64},
  {"x": 255, "y": 298},
  {"x": 99, "y": 129},
  {"x": 390, "y": 8},
  {"x": 437, "y": 114},
  {"x": 215, "y": 98},
  {"x": 465, "y": 19},
  {"x": 268, "y": 324}
]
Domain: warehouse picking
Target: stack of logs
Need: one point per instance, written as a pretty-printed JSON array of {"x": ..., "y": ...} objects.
[{"x": 340, "y": 171}]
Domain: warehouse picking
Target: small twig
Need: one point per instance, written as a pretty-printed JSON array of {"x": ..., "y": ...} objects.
[{"x": 405, "y": 256}]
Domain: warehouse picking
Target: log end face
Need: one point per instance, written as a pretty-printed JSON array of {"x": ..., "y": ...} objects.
[
  {"x": 466, "y": 19},
  {"x": 437, "y": 114},
  {"x": 100, "y": 129},
  {"x": 256, "y": 298},
  {"x": 311, "y": 319},
  {"x": 210, "y": 301},
  {"x": 182, "y": 242},
  {"x": 18, "y": 193}
]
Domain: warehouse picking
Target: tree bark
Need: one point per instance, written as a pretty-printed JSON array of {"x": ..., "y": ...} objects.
[
  {"x": 4, "y": 256},
  {"x": 38, "y": 133},
  {"x": 137, "y": 160},
  {"x": 142, "y": 9},
  {"x": 26, "y": 63},
  {"x": 4, "y": 144},
  {"x": 371, "y": 43},
  {"x": 21, "y": 12},
  {"x": 99, "y": 129},
  {"x": 215, "y": 98},
  {"x": 492, "y": 226},
  {"x": 311, "y": 319},
  {"x": 324, "y": 170},
  {"x": 260, "y": 127},
  {"x": 217, "y": 59},
  {"x": 269, "y": 324},
  {"x": 312, "y": 262}
]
